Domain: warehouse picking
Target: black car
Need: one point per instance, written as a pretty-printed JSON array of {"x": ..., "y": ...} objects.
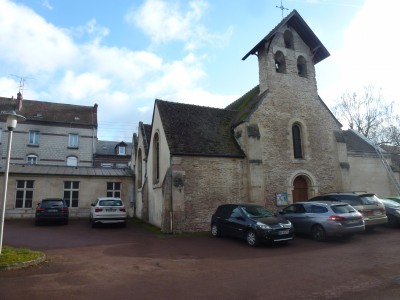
[
  {"x": 251, "y": 222},
  {"x": 392, "y": 212},
  {"x": 51, "y": 209}
]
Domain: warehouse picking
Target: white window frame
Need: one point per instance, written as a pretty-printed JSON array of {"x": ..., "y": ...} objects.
[
  {"x": 24, "y": 189},
  {"x": 114, "y": 189},
  {"x": 121, "y": 150},
  {"x": 73, "y": 140},
  {"x": 72, "y": 161},
  {"x": 72, "y": 187},
  {"x": 32, "y": 159},
  {"x": 33, "y": 138}
]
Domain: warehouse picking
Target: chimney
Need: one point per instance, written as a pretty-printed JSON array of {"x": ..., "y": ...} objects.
[{"x": 19, "y": 101}]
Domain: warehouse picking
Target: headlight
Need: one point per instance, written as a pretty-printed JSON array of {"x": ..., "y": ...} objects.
[
  {"x": 262, "y": 225},
  {"x": 288, "y": 224}
]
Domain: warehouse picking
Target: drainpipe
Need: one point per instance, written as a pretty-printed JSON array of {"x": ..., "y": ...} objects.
[{"x": 171, "y": 211}]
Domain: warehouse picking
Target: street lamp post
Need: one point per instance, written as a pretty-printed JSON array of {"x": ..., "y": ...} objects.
[{"x": 11, "y": 124}]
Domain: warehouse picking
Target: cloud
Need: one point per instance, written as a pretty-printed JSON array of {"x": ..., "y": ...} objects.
[
  {"x": 82, "y": 86},
  {"x": 72, "y": 65},
  {"x": 368, "y": 54},
  {"x": 30, "y": 43},
  {"x": 46, "y": 4},
  {"x": 164, "y": 22}
]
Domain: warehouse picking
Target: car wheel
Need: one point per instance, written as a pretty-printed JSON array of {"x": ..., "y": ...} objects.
[
  {"x": 392, "y": 221},
  {"x": 252, "y": 238},
  {"x": 93, "y": 223},
  {"x": 318, "y": 233},
  {"x": 215, "y": 232}
]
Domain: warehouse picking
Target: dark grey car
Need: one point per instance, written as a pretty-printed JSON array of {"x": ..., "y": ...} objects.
[
  {"x": 251, "y": 222},
  {"x": 324, "y": 219},
  {"x": 392, "y": 212},
  {"x": 51, "y": 210}
]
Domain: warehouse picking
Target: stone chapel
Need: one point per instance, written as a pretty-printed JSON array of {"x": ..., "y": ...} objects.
[{"x": 277, "y": 144}]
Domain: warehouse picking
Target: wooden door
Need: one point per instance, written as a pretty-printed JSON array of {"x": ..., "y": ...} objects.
[{"x": 300, "y": 192}]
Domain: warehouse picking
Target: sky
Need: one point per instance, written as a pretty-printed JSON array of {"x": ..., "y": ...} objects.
[{"x": 124, "y": 54}]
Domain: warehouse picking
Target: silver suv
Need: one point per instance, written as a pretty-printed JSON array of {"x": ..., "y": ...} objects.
[{"x": 371, "y": 208}]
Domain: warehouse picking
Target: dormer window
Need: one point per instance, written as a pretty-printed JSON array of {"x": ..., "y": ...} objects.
[
  {"x": 288, "y": 38},
  {"x": 280, "y": 63},
  {"x": 121, "y": 150}
]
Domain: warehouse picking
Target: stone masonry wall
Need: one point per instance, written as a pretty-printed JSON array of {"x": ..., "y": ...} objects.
[
  {"x": 207, "y": 182},
  {"x": 294, "y": 99}
]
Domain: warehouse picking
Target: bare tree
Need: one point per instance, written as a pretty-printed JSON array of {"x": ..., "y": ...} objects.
[{"x": 369, "y": 114}]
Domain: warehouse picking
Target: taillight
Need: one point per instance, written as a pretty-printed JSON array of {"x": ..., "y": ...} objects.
[
  {"x": 97, "y": 209},
  {"x": 122, "y": 209},
  {"x": 40, "y": 209},
  {"x": 64, "y": 208},
  {"x": 336, "y": 218}
]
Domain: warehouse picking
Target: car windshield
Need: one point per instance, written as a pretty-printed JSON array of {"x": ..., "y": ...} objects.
[
  {"x": 52, "y": 203},
  {"x": 343, "y": 209},
  {"x": 255, "y": 211},
  {"x": 111, "y": 202}
]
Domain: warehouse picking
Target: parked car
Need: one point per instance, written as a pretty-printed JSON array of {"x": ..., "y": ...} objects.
[
  {"x": 324, "y": 219},
  {"x": 394, "y": 198},
  {"x": 251, "y": 222},
  {"x": 371, "y": 208},
  {"x": 392, "y": 212},
  {"x": 51, "y": 209},
  {"x": 108, "y": 210}
]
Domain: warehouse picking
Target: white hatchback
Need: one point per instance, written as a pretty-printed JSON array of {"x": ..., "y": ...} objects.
[{"x": 108, "y": 210}]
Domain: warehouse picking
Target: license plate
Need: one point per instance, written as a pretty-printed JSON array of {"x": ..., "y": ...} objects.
[
  {"x": 283, "y": 232},
  {"x": 377, "y": 212},
  {"x": 352, "y": 221},
  {"x": 110, "y": 209},
  {"x": 52, "y": 210}
]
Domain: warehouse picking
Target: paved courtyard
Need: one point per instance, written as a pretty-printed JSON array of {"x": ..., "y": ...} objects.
[{"x": 132, "y": 263}]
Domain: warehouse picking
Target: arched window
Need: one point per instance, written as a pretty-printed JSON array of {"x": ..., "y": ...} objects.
[
  {"x": 288, "y": 38},
  {"x": 302, "y": 66},
  {"x": 72, "y": 161},
  {"x": 297, "y": 147},
  {"x": 156, "y": 158},
  {"x": 31, "y": 159},
  {"x": 139, "y": 165},
  {"x": 280, "y": 63}
]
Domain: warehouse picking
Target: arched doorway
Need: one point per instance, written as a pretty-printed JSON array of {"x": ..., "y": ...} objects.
[{"x": 300, "y": 191}]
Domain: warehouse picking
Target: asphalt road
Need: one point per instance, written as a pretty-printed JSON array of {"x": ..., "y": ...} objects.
[{"x": 131, "y": 263}]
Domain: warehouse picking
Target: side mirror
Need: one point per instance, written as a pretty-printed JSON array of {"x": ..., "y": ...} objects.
[
  {"x": 281, "y": 212},
  {"x": 92, "y": 204}
]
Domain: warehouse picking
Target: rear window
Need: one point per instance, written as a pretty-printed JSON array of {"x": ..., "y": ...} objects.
[
  {"x": 342, "y": 209},
  {"x": 110, "y": 203},
  {"x": 369, "y": 199},
  {"x": 350, "y": 199},
  {"x": 52, "y": 203}
]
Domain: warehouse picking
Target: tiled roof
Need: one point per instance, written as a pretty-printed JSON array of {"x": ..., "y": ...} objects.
[
  {"x": 52, "y": 112},
  {"x": 357, "y": 143},
  {"x": 67, "y": 171},
  {"x": 109, "y": 147},
  {"x": 246, "y": 104},
  {"x": 295, "y": 21},
  {"x": 146, "y": 134},
  {"x": 198, "y": 130}
]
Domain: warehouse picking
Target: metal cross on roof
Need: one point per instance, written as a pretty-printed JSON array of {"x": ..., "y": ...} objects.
[{"x": 282, "y": 8}]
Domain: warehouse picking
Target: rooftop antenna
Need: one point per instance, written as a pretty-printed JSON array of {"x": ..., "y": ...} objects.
[{"x": 282, "y": 8}]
